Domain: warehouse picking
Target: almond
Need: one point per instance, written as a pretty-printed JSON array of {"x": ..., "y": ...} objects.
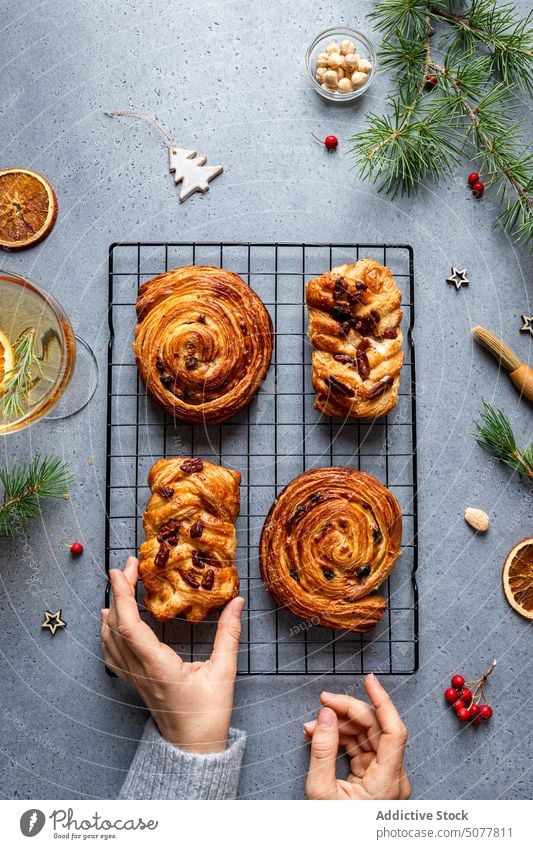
[{"x": 477, "y": 519}]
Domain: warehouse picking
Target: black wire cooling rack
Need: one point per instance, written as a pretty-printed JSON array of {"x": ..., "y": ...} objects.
[{"x": 279, "y": 436}]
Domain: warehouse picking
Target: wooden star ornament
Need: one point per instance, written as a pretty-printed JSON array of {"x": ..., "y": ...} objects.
[
  {"x": 528, "y": 324},
  {"x": 458, "y": 278},
  {"x": 53, "y": 621}
]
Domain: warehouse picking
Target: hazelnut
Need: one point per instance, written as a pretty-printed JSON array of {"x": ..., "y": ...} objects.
[
  {"x": 330, "y": 79},
  {"x": 344, "y": 85},
  {"x": 350, "y": 62},
  {"x": 364, "y": 65},
  {"x": 320, "y": 74},
  {"x": 322, "y": 60},
  {"x": 358, "y": 79},
  {"x": 336, "y": 60},
  {"x": 340, "y": 73},
  {"x": 333, "y": 47},
  {"x": 347, "y": 47}
]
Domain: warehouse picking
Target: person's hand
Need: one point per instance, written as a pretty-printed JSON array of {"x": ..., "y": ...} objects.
[
  {"x": 191, "y": 703},
  {"x": 374, "y": 739}
]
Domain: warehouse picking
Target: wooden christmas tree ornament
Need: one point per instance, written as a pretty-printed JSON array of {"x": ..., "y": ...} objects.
[{"x": 188, "y": 168}]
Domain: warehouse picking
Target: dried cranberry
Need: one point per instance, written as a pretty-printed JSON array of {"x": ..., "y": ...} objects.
[
  {"x": 328, "y": 573},
  {"x": 201, "y": 319},
  {"x": 191, "y": 466},
  {"x": 167, "y": 380},
  {"x": 315, "y": 498},
  {"x": 159, "y": 365},
  {"x": 377, "y": 536},
  {"x": 361, "y": 286},
  {"x": 294, "y": 573},
  {"x": 340, "y": 313},
  {"x": 191, "y": 363},
  {"x": 363, "y": 572}
]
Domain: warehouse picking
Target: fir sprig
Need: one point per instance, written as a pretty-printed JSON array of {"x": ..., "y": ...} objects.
[
  {"x": 495, "y": 434},
  {"x": 22, "y": 377},
  {"x": 487, "y": 51},
  {"x": 26, "y": 486}
]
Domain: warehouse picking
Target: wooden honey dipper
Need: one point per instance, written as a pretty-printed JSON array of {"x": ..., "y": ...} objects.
[{"x": 520, "y": 373}]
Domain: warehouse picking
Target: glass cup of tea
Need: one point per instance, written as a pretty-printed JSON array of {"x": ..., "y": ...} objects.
[{"x": 39, "y": 355}]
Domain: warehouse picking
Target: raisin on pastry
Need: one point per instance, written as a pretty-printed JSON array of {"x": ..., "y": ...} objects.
[
  {"x": 331, "y": 538},
  {"x": 354, "y": 328},
  {"x": 187, "y": 561},
  {"x": 203, "y": 342}
]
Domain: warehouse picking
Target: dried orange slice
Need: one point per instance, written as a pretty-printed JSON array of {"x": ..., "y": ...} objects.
[
  {"x": 7, "y": 359},
  {"x": 517, "y": 577},
  {"x": 28, "y": 208}
]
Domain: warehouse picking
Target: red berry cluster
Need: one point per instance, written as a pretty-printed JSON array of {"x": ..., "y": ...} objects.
[
  {"x": 475, "y": 184},
  {"x": 466, "y": 702}
]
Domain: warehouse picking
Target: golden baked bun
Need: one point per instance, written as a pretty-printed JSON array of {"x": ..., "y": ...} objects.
[
  {"x": 187, "y": 562},
  {"x": 330, "y": 539},
  {"x": 203, "y": 342},
  {"x": 354, "y": 327}
]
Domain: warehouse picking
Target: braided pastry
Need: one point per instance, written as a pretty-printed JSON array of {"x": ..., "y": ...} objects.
[
  {"x": 186, "y": 563},
  {"x": 354, "y": 327},
  {"x": 203, "y": 342},
  {"x": 330, "y": 539}
]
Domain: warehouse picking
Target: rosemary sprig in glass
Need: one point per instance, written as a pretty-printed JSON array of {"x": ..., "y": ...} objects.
[{"x": 22, "y": 377}]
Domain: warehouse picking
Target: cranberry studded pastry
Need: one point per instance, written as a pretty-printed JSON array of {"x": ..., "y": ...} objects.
[
  {"x": 330, "y": 539},
  {"x": 203, "y": 342},
  {"x": 187, "y": 561},
  {"x": 354, "y": 327}
]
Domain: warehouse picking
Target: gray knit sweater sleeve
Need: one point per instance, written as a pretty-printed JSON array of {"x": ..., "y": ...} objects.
[{"x": 161, "y": 771}]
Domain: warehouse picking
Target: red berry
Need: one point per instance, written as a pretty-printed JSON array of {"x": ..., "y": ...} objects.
[
  {"x": 473, "y": 178},
  {"x": 474, "y": 710},
  {"x": 458, "y": 681},
  {"x": 466, "y": 695},
  {"x": 331, "y": 142},
  {"x": 451, "y": 695},
  {"x": 463, "y": 714},
  {"x": 76, "y": 549},
  {"x": 485, "y": 711},
  {"x": 431, "y": 81},
  {"x": 458, "y": 704},
  {"x": 478, "y": 189},
  {"x": 477, "y": 721}
]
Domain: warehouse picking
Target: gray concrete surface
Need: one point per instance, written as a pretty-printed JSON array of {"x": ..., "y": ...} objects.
[{"x": 228, "y": 78}]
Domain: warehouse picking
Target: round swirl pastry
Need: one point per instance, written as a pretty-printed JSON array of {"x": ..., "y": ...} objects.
[
  {"x": 203, "y": 342},
  {"x": 330, "y": 539}
]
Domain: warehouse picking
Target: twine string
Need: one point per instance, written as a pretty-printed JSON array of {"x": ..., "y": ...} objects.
[{"x": 144, "y": 117}]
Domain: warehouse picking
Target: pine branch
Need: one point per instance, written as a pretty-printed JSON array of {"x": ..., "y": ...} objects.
[
  {"x": 495, "y": 434},
  {"x": 426, "y": 132},
  {"x": 22, "y": 377},
  {"x": 26, "y": 486}
]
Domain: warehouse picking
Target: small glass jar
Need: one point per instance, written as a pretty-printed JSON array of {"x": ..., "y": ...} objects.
[{"x": 363, "y": 46}]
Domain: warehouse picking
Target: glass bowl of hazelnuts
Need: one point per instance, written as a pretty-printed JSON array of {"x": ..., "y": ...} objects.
[{"x": 341, "y": 63}]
